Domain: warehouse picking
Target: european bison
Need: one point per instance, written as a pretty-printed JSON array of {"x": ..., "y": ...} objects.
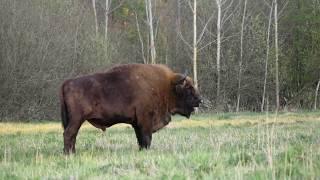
[{"x": 144, "y": 96}]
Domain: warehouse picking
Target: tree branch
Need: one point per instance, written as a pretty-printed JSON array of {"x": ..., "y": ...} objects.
[
  {"x": 206, "y": 45},
  {"x": 181, "y": 37},
  {"x": 204, "y": 28}
]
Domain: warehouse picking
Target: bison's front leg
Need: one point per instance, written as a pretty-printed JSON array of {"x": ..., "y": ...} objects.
[{"x": 144, "y": 137}]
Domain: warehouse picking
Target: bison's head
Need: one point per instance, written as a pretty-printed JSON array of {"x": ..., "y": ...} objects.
[{"x": 187, "y": 96}]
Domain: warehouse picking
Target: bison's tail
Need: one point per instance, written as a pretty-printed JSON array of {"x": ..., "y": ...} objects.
[{"x": 64, "y": 109}]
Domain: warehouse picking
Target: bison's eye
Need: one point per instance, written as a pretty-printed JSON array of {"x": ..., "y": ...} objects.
[
  {"x": 188, "y": 87},
  {"x": 190, "y": 90}
]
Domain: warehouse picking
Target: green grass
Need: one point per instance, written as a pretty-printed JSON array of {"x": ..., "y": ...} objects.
[{"x": 229, "y": 146}]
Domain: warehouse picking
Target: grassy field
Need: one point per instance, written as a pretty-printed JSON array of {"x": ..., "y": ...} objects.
[{"x": 209, "y": 146}]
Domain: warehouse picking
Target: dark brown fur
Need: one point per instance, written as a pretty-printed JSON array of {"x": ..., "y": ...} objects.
[{"x": 144, "y": 96}]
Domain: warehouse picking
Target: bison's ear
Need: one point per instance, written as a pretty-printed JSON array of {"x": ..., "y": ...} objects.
[
  {"x": 178, "y": 83},
  {"x": 179, "y": 79}
]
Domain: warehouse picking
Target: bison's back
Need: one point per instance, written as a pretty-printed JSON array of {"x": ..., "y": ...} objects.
[{"x": 133, "y": 81}]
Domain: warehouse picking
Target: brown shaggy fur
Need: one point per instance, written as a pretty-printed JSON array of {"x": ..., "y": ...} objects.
[{"x": 144, "y": 96}]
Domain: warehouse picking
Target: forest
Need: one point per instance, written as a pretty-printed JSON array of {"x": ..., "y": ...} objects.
[
  {"x": 256, "y": 64},
  {"x": 244, "y": 55}
]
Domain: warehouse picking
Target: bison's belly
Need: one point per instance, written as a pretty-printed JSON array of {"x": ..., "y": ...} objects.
[{"x": 109, "y": 121}]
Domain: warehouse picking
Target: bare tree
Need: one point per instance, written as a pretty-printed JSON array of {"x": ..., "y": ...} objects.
[
  {"x": 196, "y": 40},
  {"x": 316, "y": 95},
  {"x": 95, "y": 15},
  {"x": 195, "y": 75},
  {"x": 107, "y": 11},
  {"x": 219, "y": 6},
  {"x": 141, "y": 40},
  {"x": 222, "y": 17},
  {"x": 150, "y": 22},
  {"x": 277, "y": 53},
  {"x": 267, "y": 58},
  {"x": 108, "y": 5},
  {"x": 241, "y": 55}
]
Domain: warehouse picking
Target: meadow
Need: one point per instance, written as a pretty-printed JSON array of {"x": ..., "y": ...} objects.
[{"x": 208, "y": 146}]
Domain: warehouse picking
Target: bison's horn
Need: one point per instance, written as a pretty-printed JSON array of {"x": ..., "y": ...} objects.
[
  {"x": 185, "y": 73},
  {"x": 179, "y": 78}
]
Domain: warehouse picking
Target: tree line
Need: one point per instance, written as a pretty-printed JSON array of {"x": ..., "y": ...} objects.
[{"x": 244, "y": 55}]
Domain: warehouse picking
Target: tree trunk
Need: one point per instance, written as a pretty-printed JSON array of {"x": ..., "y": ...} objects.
[
  {"x": 150, "y": 21},
  {"x": 277, "y": 53},
  {"x": 106, "y": 19},
  {"x": 195, "y": 76},
  {"x": 267, "y": 59},
  {"x": 196, "y": 39},
  {"x": 316, "y": 95},
  {"x": 95, "y": 15},
  {"x": 241, "y": 56},
  {"x": 141, "y": 40},
  {"x": 218, "y": 50}
]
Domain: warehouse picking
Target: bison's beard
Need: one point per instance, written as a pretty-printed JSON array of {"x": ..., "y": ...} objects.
[
  {"x": 185, "y": 107},
  {"x": 189, "y": 110},
  {"x": 186, "y": 111}
]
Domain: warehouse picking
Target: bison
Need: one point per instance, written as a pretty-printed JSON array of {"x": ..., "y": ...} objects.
[{"x": 144, "y": 96}]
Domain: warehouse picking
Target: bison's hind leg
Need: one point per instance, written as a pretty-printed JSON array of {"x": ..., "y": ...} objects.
[
  {"x": 144, "y": 137},
  {"x": 70, "y": 135}
]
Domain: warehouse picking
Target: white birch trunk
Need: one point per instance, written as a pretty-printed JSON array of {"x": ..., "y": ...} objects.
[
  {"x": 277, "y": 53},
  {"x": 106, "y": 19},
  {"x": 195, "y": 76},
  {"x": 241, "y": 55},
  {"x": 196, "y": 39},
  {"x": 218, "y": 48},
  {"x": 150, "y": 21},
  {"x": 267, "y": 59},
  {"x": 141, "y": 41},
  {"x": 95, "y": 16},
  {"x": 316, "y": 95}
]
